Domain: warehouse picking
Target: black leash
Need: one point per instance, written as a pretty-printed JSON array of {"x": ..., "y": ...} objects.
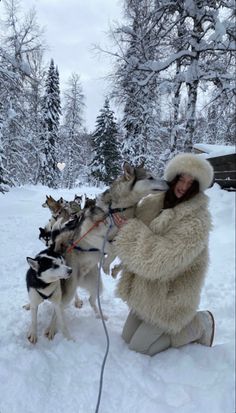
[{"x": 101, "y": 313}]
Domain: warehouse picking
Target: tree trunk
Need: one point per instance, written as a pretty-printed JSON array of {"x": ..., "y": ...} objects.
[{"x": 191, "y": 115}]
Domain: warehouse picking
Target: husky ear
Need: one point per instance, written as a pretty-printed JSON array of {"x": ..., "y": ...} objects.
[
  {"x": 141, "y": 164},
  {"x": 41, "y": 230},
  {"x": 128, "y": 170},
  {"x": 33, "y": 263}
]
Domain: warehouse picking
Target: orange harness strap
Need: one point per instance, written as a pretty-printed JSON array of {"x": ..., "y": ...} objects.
[{"x": 90, "y": 229}]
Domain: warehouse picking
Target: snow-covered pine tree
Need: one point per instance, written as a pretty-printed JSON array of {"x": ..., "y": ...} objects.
[
  {"x": 49, "y": 173},
  {"x": 5, "y": 181},
  {"x": 105, "y": 165},
  {"x": 219, "y": 68},
  {"x": 206, "y": 42},
  {"x": 33, "y": 113},
  {"x": 210, "y": 43},
  {"x": 220, "y": 118},
  {"x": 193, "y": 35},
  {"x": 20, "y": 37},
  {"x": 72, "y": 133},
  {"x": 136, "y": 91}
]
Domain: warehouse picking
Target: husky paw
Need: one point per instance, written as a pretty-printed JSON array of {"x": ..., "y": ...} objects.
[
  {"x": 78, "y": 303},
  {"x": 50, "y": 333},
  {"x": 26, "y": 306},
  {"x": 32, "y": 337},
  {"x": 115, "y": 271}
]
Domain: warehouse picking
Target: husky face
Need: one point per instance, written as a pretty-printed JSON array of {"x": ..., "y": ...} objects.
[
  {"x": 62, "y": 202},
  {"x": 144, "y": 182},
  {"x": 52, "y": 204},
  {"x": 49, "y": 269},
  {"x": 134, "y": 184},
  {"x": 45, "y": 236},
  {"x": 78, "y": 199}
]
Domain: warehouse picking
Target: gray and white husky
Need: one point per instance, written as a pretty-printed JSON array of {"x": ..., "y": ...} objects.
[
  {"x": 44, "y": 281},
  {"x": 87, "y": 235}
]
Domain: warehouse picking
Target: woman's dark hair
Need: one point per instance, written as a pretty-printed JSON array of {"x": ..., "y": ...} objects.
[{"x": 171, "y": 200}]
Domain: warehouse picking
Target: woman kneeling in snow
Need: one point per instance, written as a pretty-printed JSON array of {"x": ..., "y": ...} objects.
[{"x": 164, "y": 254}]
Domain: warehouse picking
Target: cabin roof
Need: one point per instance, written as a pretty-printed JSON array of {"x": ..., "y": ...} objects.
[{"x": 214, "y": 150}]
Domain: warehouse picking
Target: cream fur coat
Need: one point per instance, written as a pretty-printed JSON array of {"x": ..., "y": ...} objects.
[{"x": 165, "y": 257}]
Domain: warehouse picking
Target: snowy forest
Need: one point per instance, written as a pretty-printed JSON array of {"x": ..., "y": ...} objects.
[{"x": 172, "y": 78}]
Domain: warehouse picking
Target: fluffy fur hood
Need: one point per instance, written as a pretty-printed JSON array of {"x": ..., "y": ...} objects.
[{"x": 190, "y": 164}]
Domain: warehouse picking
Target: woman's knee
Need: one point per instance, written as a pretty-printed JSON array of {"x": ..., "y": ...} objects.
[
  {"x": 144, "y": 337},
  {"x": 163, "y": 343},
  {"x": 131, "y": 325}
]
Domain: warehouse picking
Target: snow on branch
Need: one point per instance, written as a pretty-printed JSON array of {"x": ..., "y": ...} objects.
[{"x": 155, "y": 66}]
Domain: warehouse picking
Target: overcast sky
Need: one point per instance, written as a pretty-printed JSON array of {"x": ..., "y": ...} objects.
[{"x": 71, "y": 29}]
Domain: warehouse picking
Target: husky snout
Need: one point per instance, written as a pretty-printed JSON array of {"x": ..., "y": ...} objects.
[
  {"x": 161, "y": 185},
  {"x": 68, "y": 272}
]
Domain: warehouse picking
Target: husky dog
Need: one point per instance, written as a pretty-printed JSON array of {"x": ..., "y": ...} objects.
[
  {"x": 88, "y": 250},
  {"x": 127, "y": 190},
  {"x": 55, "y": 208},
  {"x": 81, "y": 244},
  {"x": 44, "y": 281},
  {"x": 61, "y": 211},
  {"x": 76, "y": 204},
  {"x": 78, "y": 199},
  {"x": 123, "y": 196},
  {"x": 59, "y": 207},
  {"x": 45, "y": 235},
  {"x": 53, "y": 205}
]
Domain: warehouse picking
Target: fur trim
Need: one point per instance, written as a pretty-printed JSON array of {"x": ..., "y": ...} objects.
[{"x": 188, "y": 163}]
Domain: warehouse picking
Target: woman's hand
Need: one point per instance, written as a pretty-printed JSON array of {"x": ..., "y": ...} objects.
[{"x": 119, "y": 220}]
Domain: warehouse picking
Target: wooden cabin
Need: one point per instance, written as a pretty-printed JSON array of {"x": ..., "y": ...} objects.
[{"x": 223, "y": 162}]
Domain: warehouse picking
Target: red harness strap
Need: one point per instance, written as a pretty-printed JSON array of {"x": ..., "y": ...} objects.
[{"x": 90, "y": 229}]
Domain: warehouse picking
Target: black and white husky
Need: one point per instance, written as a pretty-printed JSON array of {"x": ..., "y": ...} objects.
[
  {"x": 44, "y": 281},
  {"x": 45, "y": 235}
]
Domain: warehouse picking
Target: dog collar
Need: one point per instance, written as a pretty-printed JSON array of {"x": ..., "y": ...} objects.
[
  {"x": 114, "y": 210},
  {"x": 78, "y": 248}
]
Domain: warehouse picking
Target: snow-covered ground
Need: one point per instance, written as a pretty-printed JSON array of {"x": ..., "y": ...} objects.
[{"x": 63, "y": 376}]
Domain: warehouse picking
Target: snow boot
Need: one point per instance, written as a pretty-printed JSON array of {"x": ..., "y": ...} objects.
[
  {"x": 209, "y": 328},
  {"x": 200, "y": 330}
]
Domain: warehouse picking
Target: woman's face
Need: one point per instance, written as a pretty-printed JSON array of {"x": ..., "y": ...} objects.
[{"x": 182, "y": 185}]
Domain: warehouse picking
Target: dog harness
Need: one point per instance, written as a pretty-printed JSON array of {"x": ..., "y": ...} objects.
[
  {"x": 78, "y": 248},
  {"x": 115, "y": 210},
  {"x": 45, "y": 297}
]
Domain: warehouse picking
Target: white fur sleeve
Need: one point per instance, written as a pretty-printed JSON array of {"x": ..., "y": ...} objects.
[{"x": 160, "y": 257}]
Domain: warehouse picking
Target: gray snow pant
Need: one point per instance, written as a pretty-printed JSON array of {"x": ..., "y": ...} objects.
[
  {"x": 143, "y": 337},
  {"x": 148, "y": 339}
]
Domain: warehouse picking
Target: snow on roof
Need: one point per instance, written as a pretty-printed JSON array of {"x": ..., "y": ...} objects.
[{"x": 215, "y": 150}]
